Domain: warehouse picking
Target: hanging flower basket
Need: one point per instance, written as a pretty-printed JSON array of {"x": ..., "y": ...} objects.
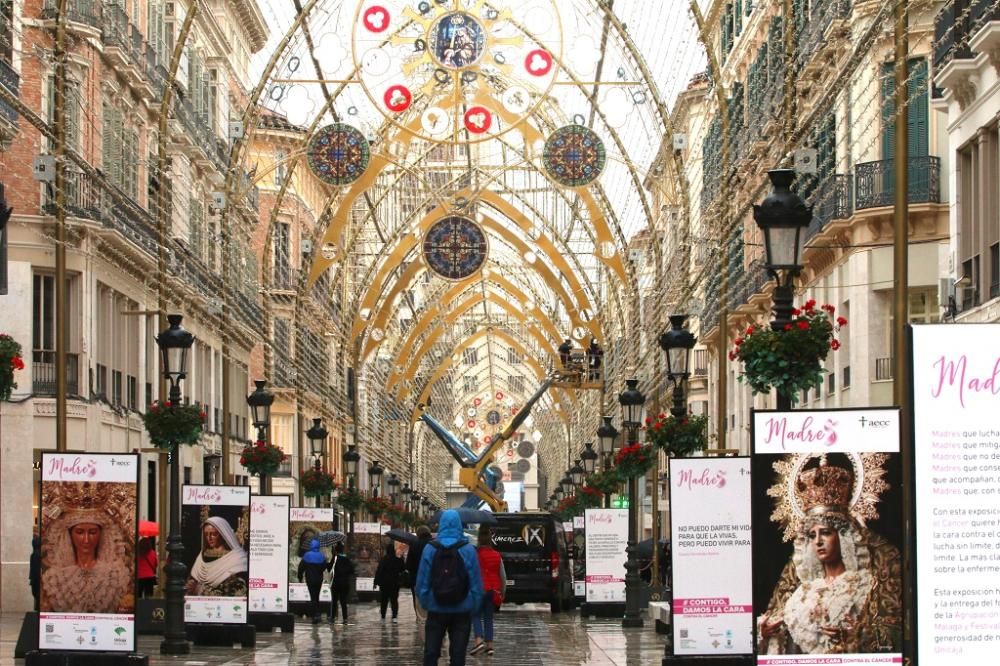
[
  {"x": 588, "y": 497},
  {"x": 317, "y": 482},
  {"x": 377, "y": 506},
  {"x": 10, "y": 360},
  {"x": 351, "y": 500},
  {"x": 791, "y": 360},
  {"x": 568, "y": 508},
  {"x": 262, "y": 458},
  {"x": 678, "y": 437},
  {"x": 168, "y": 424},
  {"x": 634, "y": 460},
  {"x": 607, "y": 483}
]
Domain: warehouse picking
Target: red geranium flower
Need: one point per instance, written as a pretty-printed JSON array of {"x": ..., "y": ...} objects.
[
  {"x": 803, "y": 325},
  {"x": 835, "y": 345},
  {"x": 841, "y": 321}
]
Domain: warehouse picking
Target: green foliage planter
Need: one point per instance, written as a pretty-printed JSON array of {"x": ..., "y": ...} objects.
[
  {"x": 678, "y": 437},
  {"x": 607, "y": 483},
  {"x": 634, "y": 460},
  {"x": 262, "y": 458},
  {"x": 789, "y": 361},
  {"x": 351, "y": 500},
  {"x": 10, "y": 360},
  {"x": 168, "y": 424},
  {"x": 316, "y": 482}
]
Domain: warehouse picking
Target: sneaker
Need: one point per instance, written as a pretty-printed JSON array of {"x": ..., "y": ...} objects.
[
  {"x": 394, "y": 619},
  {"x": 479, "y": 647},
  {"x": 489, "y": 653}
]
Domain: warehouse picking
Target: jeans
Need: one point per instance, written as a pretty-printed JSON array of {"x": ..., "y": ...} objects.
[
  {"x": 482, "y": 619},
  {"x": 457, "y": 626},
  {"x": 387, "y": 596},
  {"x": 338, "y": 594}
]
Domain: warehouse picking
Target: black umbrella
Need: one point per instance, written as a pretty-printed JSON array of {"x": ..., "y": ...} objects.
[
  {"x": 330, "y": 538},
  {"x": 644, "y": 549},
  {"x": 469, "y": 516},
  {"x": 401, "y": 535}
]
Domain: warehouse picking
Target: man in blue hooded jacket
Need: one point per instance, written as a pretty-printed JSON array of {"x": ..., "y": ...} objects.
[
  {"x": 456, "y": 618},
  {"x": 312, "y": 567}
]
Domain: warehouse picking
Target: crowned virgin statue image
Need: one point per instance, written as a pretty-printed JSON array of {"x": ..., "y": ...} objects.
[
  {"x": 221, "y": 568},
  {"x": 841, "y": 591},
  {"x": 84, "y": 564}
]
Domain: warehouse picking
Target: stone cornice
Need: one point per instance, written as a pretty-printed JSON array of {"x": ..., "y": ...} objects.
[{"x": 252, "y": 21}]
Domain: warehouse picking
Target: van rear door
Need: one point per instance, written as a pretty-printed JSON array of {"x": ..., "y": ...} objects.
[{"x": 526, "y": 547}]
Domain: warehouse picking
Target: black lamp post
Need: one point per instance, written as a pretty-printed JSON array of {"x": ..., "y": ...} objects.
[
  {"x": 589, "y": 458},
  {"x": 260, "y": 402},
  {"x": 678, "y": 343},
  {"x": 375, "y": 472},
  {"x": 607, "y": 435},
  {"x": 783, "y": 218},
  {"x": 393, "y": 484},
  {"x": 577, "y": 472},
  {"x": 407, "y": 493},
  {"x": 174, "y": 344},
  {"x": 317, "y": 435},
  {"x": 558, "y": 494},
  {"x": 632, "y": 401},
  {"x": 351, "y": 458},
  {"x": 566, "y": 485}
]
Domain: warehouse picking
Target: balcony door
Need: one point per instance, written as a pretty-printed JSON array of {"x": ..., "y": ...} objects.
[{"x": 918, "y": 126}]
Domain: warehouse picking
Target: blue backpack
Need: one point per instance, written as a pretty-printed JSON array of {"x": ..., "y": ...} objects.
[{"x": 449, "y": 578}]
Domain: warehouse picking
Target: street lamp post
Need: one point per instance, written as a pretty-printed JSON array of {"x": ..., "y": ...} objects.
[
  {"x": 407, "y": 493},
  {"x": 260, "y": 402},
  {"x": 393, "y": 484},
  {"x": 678, "y": 343},
  {"x": 577, "y": 473},
  {"x": 588, "y": 457},
  {"x": 783, "y": 218},
  {"x": 375, "y": 472},
  {"x": 351, "y": 459},
  {"x": 174, "y": 344},
  {"x": 317, "y": 435},
  {"x": 607, "y": 435},
  {"x": 632, "y": 401}
]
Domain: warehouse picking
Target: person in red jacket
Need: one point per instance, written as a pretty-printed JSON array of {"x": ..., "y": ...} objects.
[
  {"x": 494, "y": 586},
  {"x": 147, "y": 567}
]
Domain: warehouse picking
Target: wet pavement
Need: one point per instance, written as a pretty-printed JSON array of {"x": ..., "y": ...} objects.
[{"x": 525, "y": 635}]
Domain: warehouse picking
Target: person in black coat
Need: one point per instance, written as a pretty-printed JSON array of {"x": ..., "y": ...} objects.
[
  {"x": 312, "y": 567},
  {"x": 413, "y": 556},
  {"x": 390, "y": 568},
  {"x": 35, "y": 567},
  {"x": 340, "y": 585}
]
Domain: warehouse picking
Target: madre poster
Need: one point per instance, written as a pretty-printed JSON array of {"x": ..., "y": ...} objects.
[
  {"x": 215, "y": 529},
  {"x": 269, "y": 553},
  {"x": 828, "y": 580},
  {"x": 607, "y": 538},
  {"x": 304, "y": 524},
  {"x": 712, "y": 559},
  {"x": 956, "y": 380},
  {"x": 365, "y": 548},
  {"x": 88, "y": 533}
]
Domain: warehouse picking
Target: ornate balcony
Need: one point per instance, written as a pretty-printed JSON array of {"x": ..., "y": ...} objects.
[
  {"x": 80, "y": 12},
  {"x": 956, "y": 24},
  {"x": 815, "y": 33},
  {"x": 12, "y": 81},
  {"x": 875, "y": 182},
  {"x": 833, "y": 200},
  {"x": 43, "y": 373}
]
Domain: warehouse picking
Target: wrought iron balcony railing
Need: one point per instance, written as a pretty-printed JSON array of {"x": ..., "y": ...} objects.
[
  {"x": 87, "y": 12},
  {"x": 820, "y": 19},
  {"x": 12, "y": 81},
  {"x": 833, "y": 199},
  {"x": 955, "y": 25},
  {"x": 875, "y": 182},
  {"x": 43, "y": 373}
]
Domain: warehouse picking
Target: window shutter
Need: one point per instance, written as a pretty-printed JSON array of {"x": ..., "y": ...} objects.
[{"x": 919, "y": 133}]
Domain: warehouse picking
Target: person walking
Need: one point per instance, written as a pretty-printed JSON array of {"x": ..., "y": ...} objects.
[
  {"x": 35, "y": 567},
  {"x": 390, "y": 568},
  {"x": 312, "y": 566},
  {"x": 413, "y": 565},
  {"x": 146, "y": 567},
  {"x": 340, "y": 585},
  {"x": 450, "y": 587},
  {"x": 494, "y": 586}
]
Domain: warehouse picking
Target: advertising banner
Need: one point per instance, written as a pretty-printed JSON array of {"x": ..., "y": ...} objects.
[
  {"x": 710, "y": 522},
  {"x": 215, "y": 528},
  {"x": 956, "y": 381},
  {"x": 607, "y": 538},
  {"x": 88, "y": 531},
  {"x": 579, "y": 551},
  {"x": 303, "y": 525},
  {"x": 827, "y": 537},
  {"x": 269, "y": 553},
  {"x": 364, "y": 546}
]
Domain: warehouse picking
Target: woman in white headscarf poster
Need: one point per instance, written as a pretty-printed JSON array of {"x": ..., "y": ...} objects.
[{"x": 220, "y": 562}]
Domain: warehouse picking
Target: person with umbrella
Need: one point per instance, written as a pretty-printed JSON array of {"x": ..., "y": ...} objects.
[
  {"x": 413, "y": 565},
  {"x": 340, "y": 585},
  {"x": 312, "y": 566},
  {"x": 147, "y": 564},
  {"x": 390, "y": 568}
]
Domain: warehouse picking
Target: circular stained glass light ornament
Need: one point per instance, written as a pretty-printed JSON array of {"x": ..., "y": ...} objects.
[
  {"x": 457, "y": 40},
  {"x": 338, "y": 154},
  {"x": 574, "y": 156},
  {"x": 455, "y": 247},
  {"x": 493, "y": 417}
]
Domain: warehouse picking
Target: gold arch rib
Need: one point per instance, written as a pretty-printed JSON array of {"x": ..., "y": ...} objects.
[{"x": 468, "y": 342}]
